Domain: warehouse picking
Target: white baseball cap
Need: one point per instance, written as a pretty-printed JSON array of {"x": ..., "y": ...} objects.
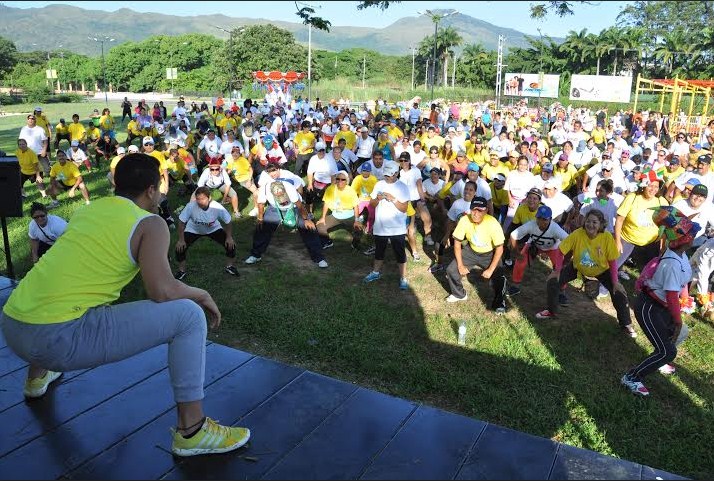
[
  {"x": 320, "y": 146},
  {"x": 121, "y": 150},
  {"x": 133, "y": 149},
  {"x": 147, "y": 140},
  {"x": 390, "y": 168}
]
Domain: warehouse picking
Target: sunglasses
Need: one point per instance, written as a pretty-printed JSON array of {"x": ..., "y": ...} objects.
[
  {"x": 341, "y": 179},
  {"x": 404, "y": 160},
  {"x": 30, "y": 118},
  {"x": 214, "y": 170}
]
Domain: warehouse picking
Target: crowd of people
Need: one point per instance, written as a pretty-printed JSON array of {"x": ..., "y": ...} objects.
[{"x": 464, "y": 184}]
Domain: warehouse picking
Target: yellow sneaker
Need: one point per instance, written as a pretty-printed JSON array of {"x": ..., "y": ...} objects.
[
  {"x": 212, "y": 438},
  {"x": 37, "y": 387}
]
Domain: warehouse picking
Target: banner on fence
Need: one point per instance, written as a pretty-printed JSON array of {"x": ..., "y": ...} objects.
[
  {"x": 531, "y": 85},
  {"x": 601, "y": 88}
]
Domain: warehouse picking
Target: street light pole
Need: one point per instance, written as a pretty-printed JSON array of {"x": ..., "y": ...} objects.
[
  {"x": 413, "y": 59},
  {"x": 436, "y": 18},
  {"x": 104, "y": 72},
  {"x": 541, "y": 74},
  {"x": 309, "y": 50}
]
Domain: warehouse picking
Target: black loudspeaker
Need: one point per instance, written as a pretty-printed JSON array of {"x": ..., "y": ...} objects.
[{"x": 10, "y": 192}]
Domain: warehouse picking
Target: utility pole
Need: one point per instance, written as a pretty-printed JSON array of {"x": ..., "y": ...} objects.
[
  {"x": 436, "y": 18},
  {"x": 413, "y": 59},
  {"x": 426, "y": 74},
  {"x": 453, "y": 74},
  {"x": 309, "y": 49},
  {"x": 364, "y": 65},
  {"x": 499, "y": 69}
]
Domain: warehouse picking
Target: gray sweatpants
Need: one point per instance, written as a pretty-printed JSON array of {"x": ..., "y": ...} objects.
[{"x": 108, "y": 334}]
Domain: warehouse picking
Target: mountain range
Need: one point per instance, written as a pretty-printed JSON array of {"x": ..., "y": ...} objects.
[{"x": 56, "y": 25}]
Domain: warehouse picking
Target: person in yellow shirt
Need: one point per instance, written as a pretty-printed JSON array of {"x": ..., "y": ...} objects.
[
  {"x": 227, "y": 123},
  {"x": 567, "y": 173},
  {"x": 499, "y": 197},
  {"x": 106, "y": 123},
  {"x": 93, "y": 136},
  {"x": 394, "y": 132},
  {"x": 591, "y": 252},
  {"x": 476, "y": 152},
  {"x": 65, "y": 177},
  {"x": 242, "y": 171},
  {"x": 484, "y": 249},
  {"x": 599, "y": 137},
  {"x": 305, "y": 143},
  {"x": 341, "y": 207},
  {"x": 42, "y": 121},
  {"x": 62, "y": 132},
  {"x": 29, "y": 167},
  {"x": 673, "y": 171},
  {"x": 121, "y": 152},
  {"x": 432, "y": 138},
  {"x": 347, "y": 134},
  {"x": 66, "y": 304},
  {"x": 77, "y": 132},
  {"x": 132, "y": 130},
  {"x": 636, "y": 234},
  {"x": 164, "y": 209},
  {"x": 363, "y": 185},
  {"x": 494, "y": 167},
  {"x": 218, "y": 117},
  {"x": 181, "y": 166}
]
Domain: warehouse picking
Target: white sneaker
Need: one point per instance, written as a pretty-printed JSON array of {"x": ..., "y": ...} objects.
[
  {"x": 53, "y": 204},
  {"x": 602, "y": 292},
  {"x": 667, "y": 369},
  {"x": 253, "y": 212},
  {"x": 623, "y": 275},
  {"x": 453, "y": 298},
  {"x": 252, "y": 260},
  {"x": 429, "y": 241},
  {"x": 322, "y": 264}
]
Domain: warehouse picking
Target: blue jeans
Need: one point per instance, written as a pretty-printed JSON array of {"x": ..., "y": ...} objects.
[{"x": 108, "y": 334}]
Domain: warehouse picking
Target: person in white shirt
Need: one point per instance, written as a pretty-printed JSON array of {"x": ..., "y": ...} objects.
[
  {"x": 390, "y": 198},
  {"x": 78, "y": 156},
  {"x": 603, "y": 170},
  {"x": 210, "y": 143},
  {"x": 680, "y": 147},
  {"x": 345, "y": 159},
  {"x": 228, "y": 143},
  {"x": 365, "y": 145},
  {"x": 483, "y": 189},
  {"x": 321, "y": 172},
  {"x": 702, "y": 174},
  {"x": 376, "y": 165},
  {"x": 411, "y": 177},
  {"x": 44, "y": 230},
  {"x": 216, "y": 177},
  {"x": 204, "y": 217},
  {"x": 559, "y": 203},
  {"x": 543, "y": 236},
  {"x": 605, "y": 201},
  {"x": 518, "y": 183},
  {"x": 37, "y": 141},
  {"x": 280, "y": 204}
]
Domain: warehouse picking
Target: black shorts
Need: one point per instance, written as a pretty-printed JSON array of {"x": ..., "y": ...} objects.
[
  {"x": 25, "y": 177},
  {"x": 64, "y": 186},
  {"x": 218, "y": 236}
]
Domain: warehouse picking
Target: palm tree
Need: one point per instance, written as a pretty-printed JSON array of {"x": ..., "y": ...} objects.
[
  {"x": 476, "y": 66},
  {"x": 575, "y": 47},
  {"x": 672, "y": 43},
  {"x": 447, "y": 39},
  {"x": 595, "y": 47}
]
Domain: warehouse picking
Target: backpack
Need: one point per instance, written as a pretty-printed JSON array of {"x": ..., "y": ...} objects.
[{"x": 648, "y": 272}]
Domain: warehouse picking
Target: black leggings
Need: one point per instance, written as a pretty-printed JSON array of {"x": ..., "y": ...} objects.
[
  {"x": 657, "y": 324},
  {"x": 218, "y": 236},
  {"x": 399, "y": 247}
]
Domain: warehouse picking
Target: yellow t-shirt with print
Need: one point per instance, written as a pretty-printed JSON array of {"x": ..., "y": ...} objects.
[
  {"x": 483, "y": 237},
  {"x": 395, "y": 133},
  {"x": 218, "y": 118},
  {"x": 163, "y": 163},
  {"x": 133, "y": 128},
  {"x": 77, "y": 132},
  {"x": 639, "y": 229},
  {"x": 670, "y": 176},
  {"x": 363, "y": 187},
  {"x": 93, "y": 133},
  {"x": 228, "y": 124},
  {"x": 567, "y": 176},
  {"x": 106, "y": 122},
  {"x": 427, "y": 143},
  {"x": 341, "y": 202},
  {"x": 481, "y": 157},
  {"x": 240, "y": 168},
  {"x": 598, "y": 136},
  {"x": 591, "y": 257},
  {"x": 490, "y": 171},
  {"x": 523, "y": 214},
  {"x": 67, "y": 173},
  {"x": 305, "y": 142},
  {"x": 28, "y": 161}
]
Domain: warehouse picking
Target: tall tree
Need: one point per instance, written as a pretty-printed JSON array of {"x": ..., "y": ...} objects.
[{"x": 8, "y": 56}]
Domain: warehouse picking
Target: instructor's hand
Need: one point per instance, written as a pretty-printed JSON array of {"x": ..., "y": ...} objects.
[{"x": 213, "y": 314}]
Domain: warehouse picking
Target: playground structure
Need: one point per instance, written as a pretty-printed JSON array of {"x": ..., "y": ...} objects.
[
  {"x": 671, "y": 99},
  {"x": 278, "y": 86}
]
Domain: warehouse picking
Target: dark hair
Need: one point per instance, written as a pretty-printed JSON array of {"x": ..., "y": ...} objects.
[
  {"x": 203, "y": 191},
  {"x": 136, "y": 173},
  {"x": 37, "y": 207},
  {"x": 600, "y": 217},
  {"x": 607, "y": 185}
]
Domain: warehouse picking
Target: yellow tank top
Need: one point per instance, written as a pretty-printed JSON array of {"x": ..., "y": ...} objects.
[{"x": 87, "y": 267}]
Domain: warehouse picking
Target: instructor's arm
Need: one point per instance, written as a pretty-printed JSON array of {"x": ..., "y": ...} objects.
[{"x": 149, "y": 246}]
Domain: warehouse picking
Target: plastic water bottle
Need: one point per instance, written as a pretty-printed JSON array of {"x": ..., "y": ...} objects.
[{"x": 462, "y": 333}]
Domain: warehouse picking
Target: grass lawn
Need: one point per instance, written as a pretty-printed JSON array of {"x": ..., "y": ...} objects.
[{"x": 556, "y": 378}]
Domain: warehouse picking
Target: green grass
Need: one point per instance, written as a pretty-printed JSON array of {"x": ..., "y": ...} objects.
[{"x": 558, "y": 379}]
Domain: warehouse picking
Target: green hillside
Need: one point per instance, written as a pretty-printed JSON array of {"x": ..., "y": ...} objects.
[{"x": 49, "y": 27}]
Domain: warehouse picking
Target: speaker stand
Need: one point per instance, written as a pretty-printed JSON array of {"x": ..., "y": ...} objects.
[{"x": 6, "y": 244}]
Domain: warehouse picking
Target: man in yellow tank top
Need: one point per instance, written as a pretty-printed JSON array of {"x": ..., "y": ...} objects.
[{"x": 61, "y": 317}]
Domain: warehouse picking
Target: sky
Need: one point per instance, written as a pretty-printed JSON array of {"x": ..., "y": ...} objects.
[{"x": 595, "y": 17}]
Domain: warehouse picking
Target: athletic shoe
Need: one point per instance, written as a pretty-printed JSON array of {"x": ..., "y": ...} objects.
[
  {"x": 237, "y": 215},
  {"x": 53, "y": 204},
  {"x": 403, "y": 284},
  {"x": 322, "y": 264},
  {"x": 372, "y": 276},
  {"x": 328, "y": 244},
  {"x": 513, "y": 291},
  {"x": 436, "y": 268},
  {"x": 636, "y": 387},
  {"x": 253, "y": 212},
  {"x": 508, "y": 262},
  {"x": 563, "y": 299},
  {"x": 602, "y": 292},
  {"x": 212, "y": 438},
  {"x": 453, "y": 298},
  {"x": 500, "y": 311},
  {"x": 370, "y": 251},
  {"x": 630, "y": 331},
  {"x": 416, "y": 257},
  {"x": 252, "y": 260},
  {"x": 429, "y": 241},
  {"x": 623, "y": 275},
  {"x": 232, "y": 270},
  {"x": 667, "y": 369},
  {"x": 180, "y": 275},
  {"x": 37, "y": 387},
  {"x": 545, "y": 314}
]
